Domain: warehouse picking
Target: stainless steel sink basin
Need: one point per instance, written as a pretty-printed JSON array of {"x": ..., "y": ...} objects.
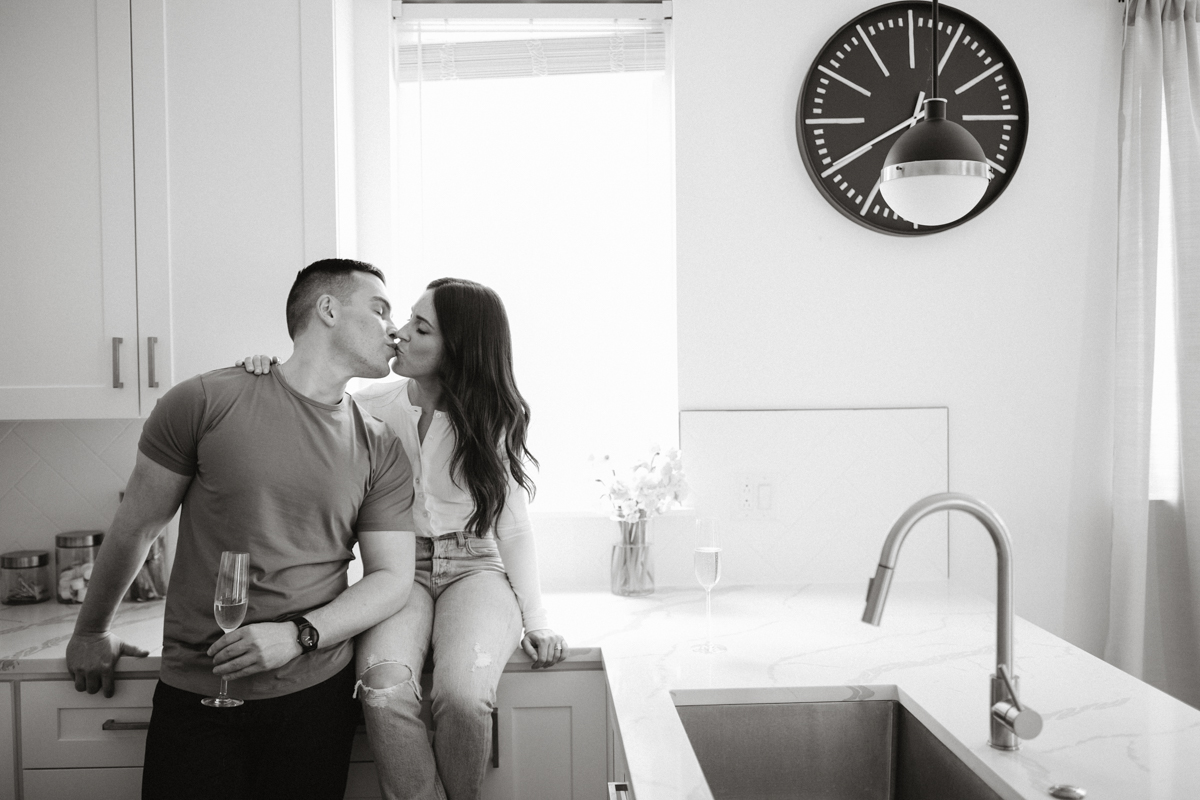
[{"x": 864, "y": 749}]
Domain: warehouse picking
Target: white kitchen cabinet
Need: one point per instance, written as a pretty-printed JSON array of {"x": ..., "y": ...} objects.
[
  {"x": 75, "y": 744},
  {"x": 119, "y": 783},
  {"x": 235, "y": 154},
  {"x": 65, "y": 729},
  {"x": 552, "y": 731},
  {"x": 73, "y": 344},
  {"x": 550, "y": 745},
  {"x": 165, "y": 171},
  {"x": 618, "y": 768}
]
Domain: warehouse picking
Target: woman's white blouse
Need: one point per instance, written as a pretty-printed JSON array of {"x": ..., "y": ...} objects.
[{"x": 440, "y": 506}]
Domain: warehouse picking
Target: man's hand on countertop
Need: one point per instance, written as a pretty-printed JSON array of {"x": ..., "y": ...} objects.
[{"x": 91, "y": 658}]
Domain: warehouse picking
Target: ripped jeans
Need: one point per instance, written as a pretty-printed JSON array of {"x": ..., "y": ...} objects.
[{"x": 461, "y": 612}]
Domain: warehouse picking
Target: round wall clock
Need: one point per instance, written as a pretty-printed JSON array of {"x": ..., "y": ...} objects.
[{"x": 868, "y": 85}]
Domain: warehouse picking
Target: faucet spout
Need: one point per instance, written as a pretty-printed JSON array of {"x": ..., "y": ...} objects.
[{"x": 1004, "y": 689}]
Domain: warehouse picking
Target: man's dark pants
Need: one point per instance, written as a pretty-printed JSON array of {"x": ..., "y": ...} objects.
[{"x": 296, "y": 746}]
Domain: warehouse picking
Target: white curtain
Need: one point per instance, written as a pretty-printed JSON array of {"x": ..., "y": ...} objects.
[{"x": 1154, "y": 619}]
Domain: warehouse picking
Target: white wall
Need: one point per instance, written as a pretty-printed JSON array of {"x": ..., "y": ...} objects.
[{"x": 1007, "y": 320}]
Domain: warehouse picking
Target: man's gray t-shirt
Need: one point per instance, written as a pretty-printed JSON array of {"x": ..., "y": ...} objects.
[{"x": 290, "y": 481}]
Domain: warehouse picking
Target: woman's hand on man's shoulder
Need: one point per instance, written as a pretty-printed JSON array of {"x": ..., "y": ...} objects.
[{"x": 258, "y": 365}]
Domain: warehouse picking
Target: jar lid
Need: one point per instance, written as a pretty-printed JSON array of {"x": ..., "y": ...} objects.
[
  {"x": 78, "y": 539},
  {"x": 21, "y": 559}
]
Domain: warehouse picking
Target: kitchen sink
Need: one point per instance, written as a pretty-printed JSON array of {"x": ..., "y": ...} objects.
[{"x": 871, "y": 749}]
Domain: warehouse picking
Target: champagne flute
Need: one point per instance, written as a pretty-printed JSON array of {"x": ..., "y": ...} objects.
[
  {"x": 708, "y": 572},
  {"x": 229, "y": 607}
]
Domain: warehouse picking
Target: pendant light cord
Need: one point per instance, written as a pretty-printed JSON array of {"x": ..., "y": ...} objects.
[{"x": 934, "y": 28}]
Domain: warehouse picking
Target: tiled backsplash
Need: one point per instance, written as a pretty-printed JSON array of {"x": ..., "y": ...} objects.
[{"x": 61, "y": 475}]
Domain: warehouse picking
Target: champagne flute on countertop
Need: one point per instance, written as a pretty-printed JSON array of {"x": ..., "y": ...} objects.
[
  {"x": 229, "y": 607},
  {"x": 707, "y": 560}
]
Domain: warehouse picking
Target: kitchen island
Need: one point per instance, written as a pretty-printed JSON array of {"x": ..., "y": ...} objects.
[{"x": 1104, "y": 730}]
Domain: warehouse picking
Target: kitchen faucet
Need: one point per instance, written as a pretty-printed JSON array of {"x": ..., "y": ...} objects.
[{"x": 1010, "y": 720}]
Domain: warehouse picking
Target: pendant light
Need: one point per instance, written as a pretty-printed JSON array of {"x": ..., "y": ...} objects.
[{"x": 936, "y": 172}]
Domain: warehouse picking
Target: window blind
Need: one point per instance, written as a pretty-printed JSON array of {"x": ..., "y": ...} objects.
[{"x": 636, "y": 52}]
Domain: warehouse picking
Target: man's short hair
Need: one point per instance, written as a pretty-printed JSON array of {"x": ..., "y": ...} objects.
[{"x": 332, "y": 276}]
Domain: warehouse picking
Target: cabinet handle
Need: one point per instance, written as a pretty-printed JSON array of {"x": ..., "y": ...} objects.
[
  {"x": 117, "y": 363},
  {"x": 150, "y": 342},
  {"x": 114, "y": 725},
  {"x": 495, "y": 739},
  {"x": 618, "y": 787}
]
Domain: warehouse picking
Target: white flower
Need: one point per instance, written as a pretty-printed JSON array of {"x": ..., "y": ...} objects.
[{"x": 651, "y": 486}]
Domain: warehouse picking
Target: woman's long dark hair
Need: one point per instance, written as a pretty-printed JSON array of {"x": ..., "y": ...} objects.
[{"x": 480, "y": 396}]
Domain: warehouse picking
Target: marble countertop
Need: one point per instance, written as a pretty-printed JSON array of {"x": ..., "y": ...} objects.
[
  {"x": 1104, "y": 730},
  {"x": 33, "y": 639}
]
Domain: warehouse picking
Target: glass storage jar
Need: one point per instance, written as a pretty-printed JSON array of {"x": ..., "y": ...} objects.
[
  {"x": 74, "y": 555},
  {"x": 24, "y": 577}
]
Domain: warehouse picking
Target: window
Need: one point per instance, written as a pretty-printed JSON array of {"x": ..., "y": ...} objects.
[{"x": 536, "y": 157}]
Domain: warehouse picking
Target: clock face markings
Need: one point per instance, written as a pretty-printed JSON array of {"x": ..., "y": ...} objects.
[
  {"x": 849, "y": 83},
  {"x": 979, "y": 77},
  {"x": 834, "y": 120},
  {"x": 874, "y": 52},
  {"x": 912, "y": 54},
  {"x": 919, "y": 111},
  {"x": 870, "y": 199},
  {"x": 950, "y": 48}
]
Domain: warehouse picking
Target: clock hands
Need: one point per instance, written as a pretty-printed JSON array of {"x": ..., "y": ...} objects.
[
  {"x": 851, "y": 156},
  {"x": 918, "y": 112}
]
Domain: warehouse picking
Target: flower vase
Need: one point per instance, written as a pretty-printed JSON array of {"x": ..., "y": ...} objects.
[{"x": 632, "y": 569}]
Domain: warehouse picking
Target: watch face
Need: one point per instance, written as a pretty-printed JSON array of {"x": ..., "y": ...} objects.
[
  {"x": 868, "y": 85},
  {"x": 308, "y": 636}
]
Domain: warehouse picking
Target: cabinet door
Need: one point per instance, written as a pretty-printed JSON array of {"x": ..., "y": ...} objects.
[
  {"x": 61, "y": 727},
  {"x": 8, "y": 744},
  {"x": 69, "y": 307},
  {"x": 552, "y": 737},
  {"x": 94, "y": 784},
  {"x": 618, "y": 768}
]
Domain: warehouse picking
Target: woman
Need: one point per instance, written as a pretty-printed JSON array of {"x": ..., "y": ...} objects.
[{"x": 462, "y": 421}]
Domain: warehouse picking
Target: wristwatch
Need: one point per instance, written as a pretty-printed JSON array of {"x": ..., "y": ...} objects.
[{"x": 308, "y": 636}]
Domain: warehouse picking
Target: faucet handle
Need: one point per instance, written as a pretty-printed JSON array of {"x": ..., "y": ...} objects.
[{"x": 1021, "y": 720}]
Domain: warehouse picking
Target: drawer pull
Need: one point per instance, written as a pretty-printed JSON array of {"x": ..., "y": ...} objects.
[
  {"x": 618, "y": 787},
  {"x": 150, "y": 342},
  {"x": 114, "y": 725},
  {"x": 495, "y": 739},
  {"x": 116, "y": 359}
]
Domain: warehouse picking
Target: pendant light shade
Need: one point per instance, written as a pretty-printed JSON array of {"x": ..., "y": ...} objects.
[{"x": 936, "y": 172}]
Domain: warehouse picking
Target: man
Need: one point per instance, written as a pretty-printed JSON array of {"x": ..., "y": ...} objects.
[{"x": 289, "y": 469}]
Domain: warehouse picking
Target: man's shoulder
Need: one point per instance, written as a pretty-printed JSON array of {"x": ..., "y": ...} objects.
[
  {"x": 194, "y": 387},
  {"x": 226, "y": 376},
  {"x": 213, "y": 380},
  {"x": 378, "y": 431}
]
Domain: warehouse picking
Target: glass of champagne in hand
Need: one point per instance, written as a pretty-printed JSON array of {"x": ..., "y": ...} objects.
[
  {"x": 229, "y": 607},
  {"x": 708, "y": 572}
]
